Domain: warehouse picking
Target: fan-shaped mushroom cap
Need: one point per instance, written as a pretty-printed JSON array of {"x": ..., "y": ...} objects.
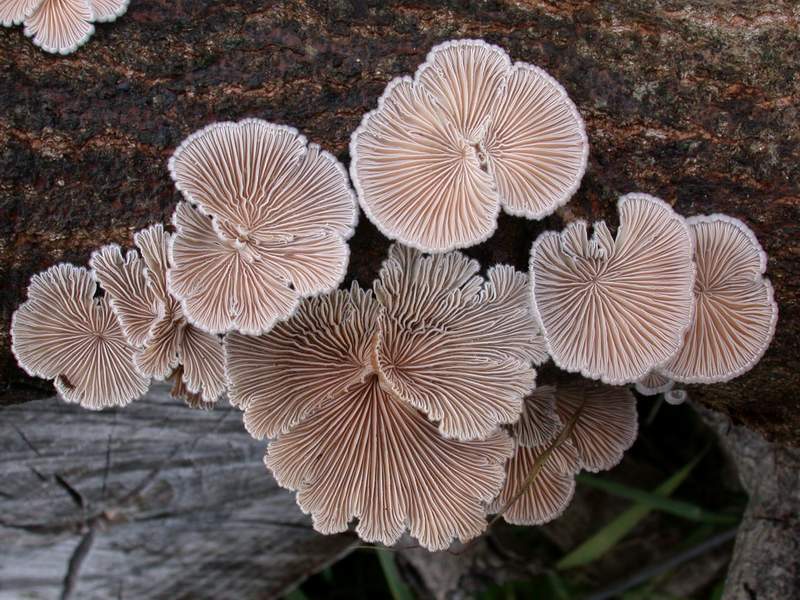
[
  {"x": 654, "y": 383},
  {"x": 280, "y": 213},
  {"x": 60, "y": 26},
  {"x": 456, "y": 347},
  {"x": 606, "y": 425},
  {"x": 63, "y": 333},
  {"x": 539, "y": 423},
  {"x": 351, "y": 449},
  {"x": 614, "y": 308},
  {"x": 152, "y": 320},
  {"x": 434, "y": 162},
  {"x": 735, "y": 314},
  {"x": 108, "y": 10},
  {"x": 14, "y": 12},
  {"x": 676, "y": 397},
  {"x": 549, "y": 493}
]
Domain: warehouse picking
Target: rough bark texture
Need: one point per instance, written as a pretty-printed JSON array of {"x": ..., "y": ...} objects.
[
  {"x": 113, "y": 504},
  {"x": 693, "y": 101},
  {"x": 765, "y": 559}
]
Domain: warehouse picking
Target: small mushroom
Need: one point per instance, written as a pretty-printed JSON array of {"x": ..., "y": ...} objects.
[
  {"x": 551, "y": 490},
  {"x": 153, "y": 321},
  {"x": 350, "y": 448},
  {"x": 654, "y": 383},
  {"x": 62, "y": 332},
  {"x": 676, "y": 397},
  {"x": 605, "y": 425},
  {"x": 60, "y": 26},
  {"x": 453, "y": 346},
  {"x": 735, "y": 312},
  {"x": 270, "y": 226},
  {"x": 610, "y": 307},
  {"x": 435, "y": 161}
]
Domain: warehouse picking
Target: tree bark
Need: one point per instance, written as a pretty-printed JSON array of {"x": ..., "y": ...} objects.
[{"x": 695, "y": 102}]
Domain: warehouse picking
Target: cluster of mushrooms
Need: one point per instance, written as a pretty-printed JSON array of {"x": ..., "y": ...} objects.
[
  {"x": 411, "y": 405},
  {"x": 60, "y": 26}
]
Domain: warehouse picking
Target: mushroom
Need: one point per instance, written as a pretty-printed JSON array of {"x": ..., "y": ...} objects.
[
  {"x": 153, "y": 322},
  {"x": 453, "y": 346},
  {"x": 62, "y": 332},
  {"x": 270, "y": 225},
  {"x": 676, "y": 397},
  {"x": 614, "y": 308},
  {"x": 550, "y": 492},
  {"x": 654, "y": 383},
  {"x": 735, "y": 315},
  {"x": 348, "y": 446},
  {"x": 603, "y": 422},
  {"x": 60, "y": 26},
  {"x": 435, "y": 161}
]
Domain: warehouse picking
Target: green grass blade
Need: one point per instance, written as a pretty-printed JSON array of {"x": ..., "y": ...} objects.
[
  {"x": 397, "y": 586},
  {"x": 605, "y": 539},
  {"x": 679, "y": 508}
]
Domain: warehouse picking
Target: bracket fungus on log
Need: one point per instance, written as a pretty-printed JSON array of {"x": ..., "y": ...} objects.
[
  {"x": 336, "y": 388},
  {"x": 153, "y": 322},
  {"x": 610, "y": 307},
  {"x": 272, "y": 219},
  {"x": 471, "y": 132},
  {"x": 60, "y": 26},
  {"x": 349, "y": 447},
  {"x": 735, "y": 312},
  {"x": 62, "y": 332}
]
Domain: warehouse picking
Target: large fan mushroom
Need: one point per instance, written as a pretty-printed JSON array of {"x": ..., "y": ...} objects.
[
  {"x": 470, "y": 133},
  {"x": 152, "y": 320},
  {"x": 610, "y": 307},
  {"x": 735, "y": 313},
  {"x": 62, "y": 332},
  {"x": 337, "y": 388},
  {"x": 60, "y": 26},
  {"x": 270, "y": 225},
  {"x": 350, "y": 448}
]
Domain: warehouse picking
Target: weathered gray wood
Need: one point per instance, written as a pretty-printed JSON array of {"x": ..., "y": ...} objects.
[{"x": 153, "y": 501}]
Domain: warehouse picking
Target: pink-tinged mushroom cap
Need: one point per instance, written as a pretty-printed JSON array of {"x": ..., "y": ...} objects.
[
  {"x": 63, "y": 333},
  {"x": 350, "y": 448},
  {"x": 60, "y": 26},
  {"x": 152, "y": 319},
  {"x": 14, "y": 12},
  {"x": 455, "y": 346},
  {"x": 654, "y": 383},
  {"x": 539, "y": 423},
  {"x": 735, "y": 313},
  {"x": 610, "y": 307},
  {"x": 606, "y": 425},
  {"x": 471, "y": 132},
  {"x": 549, "y": 493},
  {"x": 106, "y": 11},
  {"x": 270, "y": 227}
]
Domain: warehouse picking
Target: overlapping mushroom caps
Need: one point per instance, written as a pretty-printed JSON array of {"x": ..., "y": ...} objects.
[
  {"x": 62, "y": 332},
  {"x": 335, "y": 387},
  {"x": 654, "y": 383},
  {"x": 573, "y": 426},
  {"x": 615, "y": 307},
  {"x": 60, "y": 26},
  {"x": 470, "y": 133},
  {"x": 270, "y": 225},
  {"x": 735, "y": 312},
  {"x": 153, "y": 322}
]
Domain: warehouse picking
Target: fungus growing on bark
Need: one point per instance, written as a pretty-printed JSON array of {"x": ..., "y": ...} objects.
[
  {"x": 735, "y": 312},
  {"x": 270, "y": 226},
  {"x": 610, "y": 307},
  {"x": 60, "y": 26},
  {"x": 654, "y": 383},
  {"x": 470, "y": 133},
  {"x": 62, "y": 332},
  {"x": 551, "y": 490},
  {"x": 348, "y": 446},
  {"x": 152, "y": 320},
  {"x": 603, "y": 420}
]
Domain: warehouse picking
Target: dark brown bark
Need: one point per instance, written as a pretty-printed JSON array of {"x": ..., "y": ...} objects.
[{"x": 693, "y": 101}]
